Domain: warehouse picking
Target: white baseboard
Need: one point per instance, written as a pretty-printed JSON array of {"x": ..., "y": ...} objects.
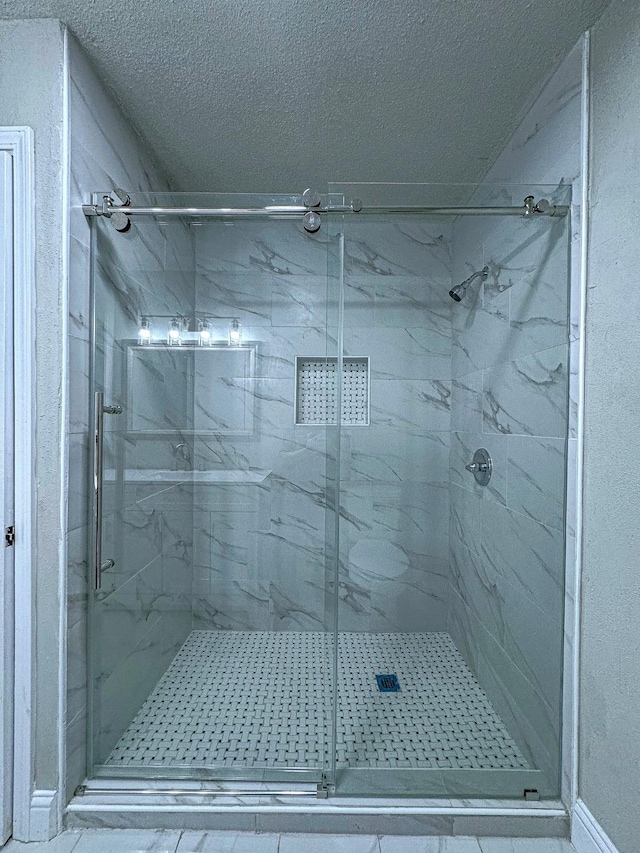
[
  {"x": 587, "y": 836},
  {"x": 44, "y": 816}
]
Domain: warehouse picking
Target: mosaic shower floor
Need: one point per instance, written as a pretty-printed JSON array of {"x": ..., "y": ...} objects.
[{"x": 263, "y": 699}]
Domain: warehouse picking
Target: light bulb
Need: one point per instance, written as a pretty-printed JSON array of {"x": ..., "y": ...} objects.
[
  {"x": 173, "y": 335},
  {"x": 204, "y": 338},
  {"x": 235, "y": 335},
  {"x": 144, "y": 332}
]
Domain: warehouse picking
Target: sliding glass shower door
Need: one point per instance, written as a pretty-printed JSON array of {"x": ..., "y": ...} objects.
[
  {"x": 329, "y": 489},
  {"x": 451, "y": 585},
  {"x": 214, "y": 597}
]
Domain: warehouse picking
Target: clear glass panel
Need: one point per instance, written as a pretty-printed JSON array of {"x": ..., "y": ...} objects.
[
  {"x": 212, "y": 636},
  {"x": 454, "y": 588},
  {"x": 240, "y": 632}
]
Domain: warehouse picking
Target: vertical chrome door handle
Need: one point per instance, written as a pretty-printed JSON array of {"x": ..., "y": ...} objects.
[{"x": 99, "y": 411}]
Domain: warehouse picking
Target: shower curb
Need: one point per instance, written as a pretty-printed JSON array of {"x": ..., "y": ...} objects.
[{"x": 545, "y": 819}]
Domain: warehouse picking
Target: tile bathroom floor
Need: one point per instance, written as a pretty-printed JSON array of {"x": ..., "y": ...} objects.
[
  {"x": 169, "y": 841},
  {"x": 263, "y": 699}
]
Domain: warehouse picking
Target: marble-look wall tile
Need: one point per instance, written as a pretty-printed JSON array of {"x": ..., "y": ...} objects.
[
  {"x": 510, "y": 394},
  {"x": 398, "y": 248},
  {"x": 536, "y": 478},
  {"x": 397, "y": 313},
  {"x": 149, "y": 270},
  {"x": 463, "y": 446},
  {"x": 528, "y": 395},
  {"x": 123, "y": 693}
]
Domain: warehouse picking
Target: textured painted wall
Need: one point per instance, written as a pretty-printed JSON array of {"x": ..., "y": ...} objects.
[
  {"x": 261, "y": 549},
  {"x": 610, "y": 635},
  {"x": 511, "y": 340},
  {"x": 32, "y": 74},
  {"x": 144, "y": 608}
]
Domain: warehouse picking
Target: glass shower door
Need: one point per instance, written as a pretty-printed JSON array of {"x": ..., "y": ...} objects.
[
  {"x": 213, "y": 616},
  {"x": 451, "y": 591}
]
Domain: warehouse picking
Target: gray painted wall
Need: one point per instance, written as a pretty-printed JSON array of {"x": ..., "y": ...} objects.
[
  {"x": 610, "y": 637},
  {"x": 32, "y": 74}
]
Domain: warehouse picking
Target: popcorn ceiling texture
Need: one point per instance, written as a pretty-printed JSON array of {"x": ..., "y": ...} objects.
[{"x": 273, "y": 97}]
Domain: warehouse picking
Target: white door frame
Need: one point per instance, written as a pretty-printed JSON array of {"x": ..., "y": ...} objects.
[
  {"x": 6, "y": 495},
  {"x": 18, "y": 142}
]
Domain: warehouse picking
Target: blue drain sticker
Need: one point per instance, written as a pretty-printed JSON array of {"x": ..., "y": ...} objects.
[{"x": 388, "y": 683}]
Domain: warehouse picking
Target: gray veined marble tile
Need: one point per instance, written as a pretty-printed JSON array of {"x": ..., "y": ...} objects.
[
  {"x": 391, "y": 455},
  {"x": 482, "y": 336},
  {"x": 458, "y": 627},
  {"x": 234, "y": 605},
  {"x": 310, "y": 843},
  {"x": 538, "y": 311},
  {"x": 543, "y": 146},
  {"x": 126, "y": 688},
  {"x": 414, "y": 601},
  {"x": 297, "y": 609},
  {"x": 78, "y": 487},
  {"x": 277, "y": 248},
  {"x": 354, "y": 606},
  {"x": 536, "y": 478},
  {"x": 479, "y": 586},
  {"x": 278, "y": 347},
  {"x": 228, "y": 842},
  {"x": 528, "y": 718},
  {"x": 525, "y": 845},
  {"x": 128, "y": 841},
  {"x": 63, "y": 843},
  {"x": 404, "y": 302},
  {"x": 528, "y": 554},
  {"x": 244, "y": 296},
  {"x": 411, "y": 513},
  {"x": 359, "y": 302},
  {"x": 402, "y": 354},
  {"x": 299, "y": 301},
  {"x": 79, "y": 290},
  {"x": 465, "y": 518},
  {"x": 79, "y": 395},
  {"x": 463, "y": 447},
  {"x": 466, "y": 402},
  {"x": 416, "y": 406},
  {"x": 400, "y": 248},
  {"x": 527, "y": 396}
]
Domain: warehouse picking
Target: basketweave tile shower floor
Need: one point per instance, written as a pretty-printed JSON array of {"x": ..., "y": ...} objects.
[{"x": 263, "y": 699}]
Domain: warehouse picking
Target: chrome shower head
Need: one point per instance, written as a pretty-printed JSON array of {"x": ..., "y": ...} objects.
[{"x": 457, "y": 292}]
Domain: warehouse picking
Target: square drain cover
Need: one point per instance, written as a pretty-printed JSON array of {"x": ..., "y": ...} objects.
[{"x": 388, "y": 683}]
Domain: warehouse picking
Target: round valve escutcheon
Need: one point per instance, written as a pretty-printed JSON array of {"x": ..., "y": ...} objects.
[{"x": 481, "y": 467}]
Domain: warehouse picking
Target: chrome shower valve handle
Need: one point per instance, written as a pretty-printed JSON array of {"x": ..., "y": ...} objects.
[
  {"x": 481, "y": 466},
  {"x": 477, "y": 466}
]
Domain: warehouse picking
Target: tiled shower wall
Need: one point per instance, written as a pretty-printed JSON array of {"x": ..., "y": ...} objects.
[
  {"x": 511, "y": 343},
  {"x": 260, "y": 547},
  {"x": 147, "y": 270},
  {"x": 394, "y": 473}
]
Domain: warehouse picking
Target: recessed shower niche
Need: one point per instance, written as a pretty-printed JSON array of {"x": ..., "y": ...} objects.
[{"x": 318, "y": 391}]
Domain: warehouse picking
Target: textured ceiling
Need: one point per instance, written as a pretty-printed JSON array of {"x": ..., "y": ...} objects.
[{"x": 277, "y": 95}]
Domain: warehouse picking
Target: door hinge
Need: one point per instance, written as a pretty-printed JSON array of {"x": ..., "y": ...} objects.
[{"x": 9, "y": 536}]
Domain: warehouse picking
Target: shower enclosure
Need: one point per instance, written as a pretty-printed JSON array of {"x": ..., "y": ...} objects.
[{"x": 300, "y": 576}]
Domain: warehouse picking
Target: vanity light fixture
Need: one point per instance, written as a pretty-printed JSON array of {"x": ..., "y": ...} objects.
[
  {"x": 175, "y": 332},
  {"x": 204, "y": 333},
  {"x": 144, "y": 332},
  {"x": 235, "y": 334}
]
